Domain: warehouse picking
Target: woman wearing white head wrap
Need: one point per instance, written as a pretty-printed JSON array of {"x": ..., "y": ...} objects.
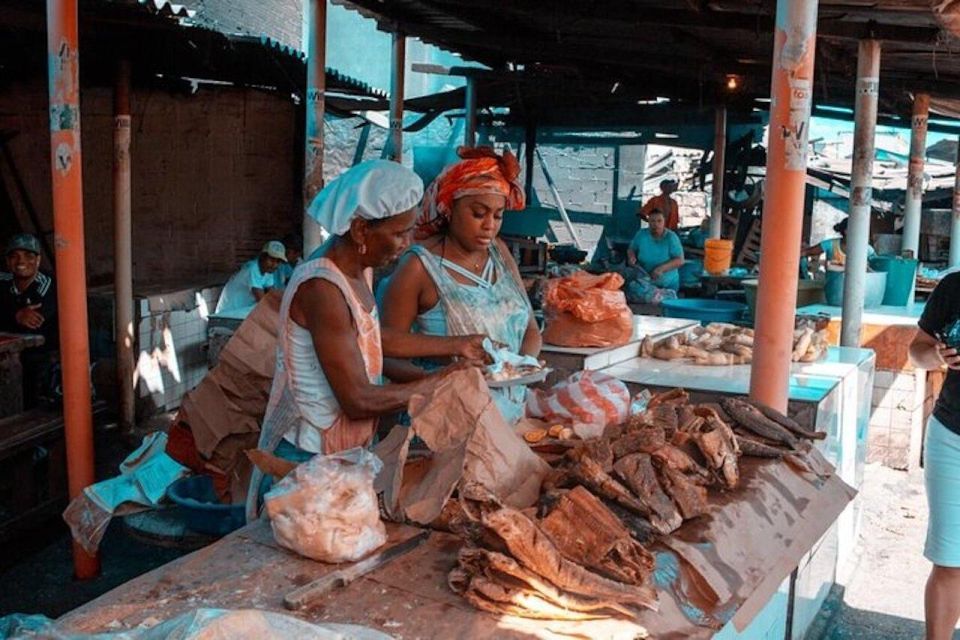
[{"x": 327, "y": 391}]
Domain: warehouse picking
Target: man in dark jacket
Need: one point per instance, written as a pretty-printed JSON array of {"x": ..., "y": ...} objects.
[{"x": 28, "y": 304}]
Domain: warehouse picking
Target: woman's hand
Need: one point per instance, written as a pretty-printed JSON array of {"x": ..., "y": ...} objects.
[
  {"x": 657, "y": 273},
  {"x": 948, "y": 356},
  {"x": 471, "y": 347}
]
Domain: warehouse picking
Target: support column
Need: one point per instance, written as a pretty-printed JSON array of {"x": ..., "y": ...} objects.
[
  {"x": 719, "y": 167},
  {"x": 955, "y": 220},
  {"x": 63, "y": 64},
  {"x": 470, "y": 113},
  {"x": 791, "y": 95},
  {"x": 314, "y": 108},
  {"x": 123, "y": 246},
  {"x": 914, "y": 195},
  {"x": 529, "y": 151},
  {"x": 861, "y": 194},
  {"x": 398, "y": 67}
]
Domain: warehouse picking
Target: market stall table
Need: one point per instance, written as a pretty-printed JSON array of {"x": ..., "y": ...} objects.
[
  {"x": 832, "y": 395},
  {"x": 718, "y": 569},
  {"x": 11, "y": 370}
]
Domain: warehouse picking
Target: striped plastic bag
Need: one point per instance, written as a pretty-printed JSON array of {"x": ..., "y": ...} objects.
[{"x": 589, "y": 399}]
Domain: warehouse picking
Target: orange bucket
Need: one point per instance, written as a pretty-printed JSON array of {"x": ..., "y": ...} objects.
[{"x": 717, "y": 256}]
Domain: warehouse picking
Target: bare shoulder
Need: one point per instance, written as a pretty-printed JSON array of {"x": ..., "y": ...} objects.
[{"x": 318, "y": 299}]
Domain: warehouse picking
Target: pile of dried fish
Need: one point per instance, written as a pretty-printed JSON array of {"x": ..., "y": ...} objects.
[
  {"x": 582, "y": 554},
  {"x": 720, "y": 344}
]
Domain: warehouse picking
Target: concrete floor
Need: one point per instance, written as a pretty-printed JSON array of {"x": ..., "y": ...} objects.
[{"x": 883, "y": 596}]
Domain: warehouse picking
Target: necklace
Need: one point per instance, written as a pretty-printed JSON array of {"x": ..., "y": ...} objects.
[{"x": 477, "y": 263}]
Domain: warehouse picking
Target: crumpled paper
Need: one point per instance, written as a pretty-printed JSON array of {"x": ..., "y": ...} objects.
[{"x": 468, "y": 440}]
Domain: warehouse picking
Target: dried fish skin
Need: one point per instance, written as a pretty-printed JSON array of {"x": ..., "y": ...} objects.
[
  {"x": 492, "y": 597},
  {"x": 588, "y": 533}
]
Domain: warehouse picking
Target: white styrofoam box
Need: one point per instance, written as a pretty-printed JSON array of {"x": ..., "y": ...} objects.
[
  {"x": 881, "y": 417},
  {"x": 884, "y": 379}
]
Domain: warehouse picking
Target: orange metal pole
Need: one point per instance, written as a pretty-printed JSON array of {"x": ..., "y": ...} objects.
[
  {"x": 791, "y": 97},
  {"x": 63, "y": 62}
]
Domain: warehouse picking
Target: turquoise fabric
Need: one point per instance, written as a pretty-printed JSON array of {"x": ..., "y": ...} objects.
[
  {"x": 941, "y": 472},
  {"x": 652, "y": 252},
  {"x": 499, "y": 310}
]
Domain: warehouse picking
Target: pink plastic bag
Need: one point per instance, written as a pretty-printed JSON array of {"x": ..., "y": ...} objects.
[{"x": 585, "y": 398}]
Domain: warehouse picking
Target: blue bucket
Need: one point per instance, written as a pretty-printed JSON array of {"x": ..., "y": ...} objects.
[
  {"x": 873, "y": 290},
  {"x": 901, "y": 275},
  {"x": 703, "y": 309},
  {"x": 202, "y": 511}
]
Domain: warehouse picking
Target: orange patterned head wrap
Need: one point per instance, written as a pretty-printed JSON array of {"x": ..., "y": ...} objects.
[{"x": 481, "y": 171}]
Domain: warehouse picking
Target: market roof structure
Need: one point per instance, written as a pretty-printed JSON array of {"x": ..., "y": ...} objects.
[
  {"x": 165, "y": 46},
  {"x": 583, "y": 58}
]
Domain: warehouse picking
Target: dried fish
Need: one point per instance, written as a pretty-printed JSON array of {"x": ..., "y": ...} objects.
[
  {"x": 533, "y": 549},
  {"x": 757, "y": 449},
  {"x": 493, "y": 597},
  {"x": 588, "y": 533},
  {"x": 495, "y": 565},
  {"x": 690, "y": 498},
  {"x": 787, "y": 422},
  {"x": 588, "y": 472},
  {"x": 750, "y": 418},
  {"x": 646, "y": 439},
  {"x": 638, "y": 472}
]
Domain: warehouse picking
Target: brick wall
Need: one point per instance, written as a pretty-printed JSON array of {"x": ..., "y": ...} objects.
[{"x": 213, "y": 176}]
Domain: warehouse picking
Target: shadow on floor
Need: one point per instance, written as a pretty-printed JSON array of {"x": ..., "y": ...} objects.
[{"x": 36, "y": 568}]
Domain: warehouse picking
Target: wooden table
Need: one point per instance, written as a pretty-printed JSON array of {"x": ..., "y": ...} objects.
[
  {"x": 737, "y": 555},
  {"x": 11, "y": 370}
]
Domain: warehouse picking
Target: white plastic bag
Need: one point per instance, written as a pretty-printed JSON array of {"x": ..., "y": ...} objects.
[{"x": 326, "y": 508}]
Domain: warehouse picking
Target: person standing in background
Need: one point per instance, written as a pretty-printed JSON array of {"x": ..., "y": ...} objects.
[
  {"x": 664, "y": 203},
  {"x": 253, "y": 280}
]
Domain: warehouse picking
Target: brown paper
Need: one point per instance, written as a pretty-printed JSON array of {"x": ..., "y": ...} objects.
[
  {"x": 232, "y": 398},
  {"x": 735, "y": 557},
  {"x": 469, "y": 440}
]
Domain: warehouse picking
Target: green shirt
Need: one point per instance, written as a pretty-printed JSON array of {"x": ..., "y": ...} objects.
[{"x": 652, "y": 252}]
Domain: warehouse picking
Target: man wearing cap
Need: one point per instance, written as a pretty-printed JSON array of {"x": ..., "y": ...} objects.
[
  {"x": 255, "y": 277},
  {"x": 664, "y": 203},
  {"x": 28, "y": 304}
]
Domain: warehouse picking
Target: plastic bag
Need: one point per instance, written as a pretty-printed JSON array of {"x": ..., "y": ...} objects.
[
  {"x": 585, "y": 398},
  {"x": 199, "y": 624},
  {"x": 584, "y": 310},
  {"x": 326, "y": 508}
]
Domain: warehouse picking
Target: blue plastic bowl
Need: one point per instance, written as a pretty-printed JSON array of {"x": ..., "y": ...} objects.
[
  {"x": 704, "y": 310},
  {"x": 202, "y": 511}
]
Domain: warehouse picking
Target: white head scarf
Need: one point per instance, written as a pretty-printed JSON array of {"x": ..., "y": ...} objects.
[{"x": 371, "y": 190}]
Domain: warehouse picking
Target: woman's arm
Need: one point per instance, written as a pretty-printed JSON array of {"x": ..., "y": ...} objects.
[
  {"x": 319, "y": 307},
  {"x": 401, "y": 305},
  {"x": 631, "y": 256},
  {"x": 532, "y": 340},
  {"x": 926, "y": 352},
  {"x": 402, "y": 370}
]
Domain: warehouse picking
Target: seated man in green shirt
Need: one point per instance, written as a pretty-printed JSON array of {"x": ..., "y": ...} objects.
[{"x": 657, "y": 250}]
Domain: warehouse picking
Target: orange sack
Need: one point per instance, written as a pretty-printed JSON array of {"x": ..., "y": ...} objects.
[{"x": 584, "y": 310}]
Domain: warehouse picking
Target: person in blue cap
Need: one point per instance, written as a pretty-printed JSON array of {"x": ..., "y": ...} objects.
[{"x": 28, "y": 304}]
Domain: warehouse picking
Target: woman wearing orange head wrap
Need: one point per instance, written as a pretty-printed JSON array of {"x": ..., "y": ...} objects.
[{"x": 460, "y": 284}]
